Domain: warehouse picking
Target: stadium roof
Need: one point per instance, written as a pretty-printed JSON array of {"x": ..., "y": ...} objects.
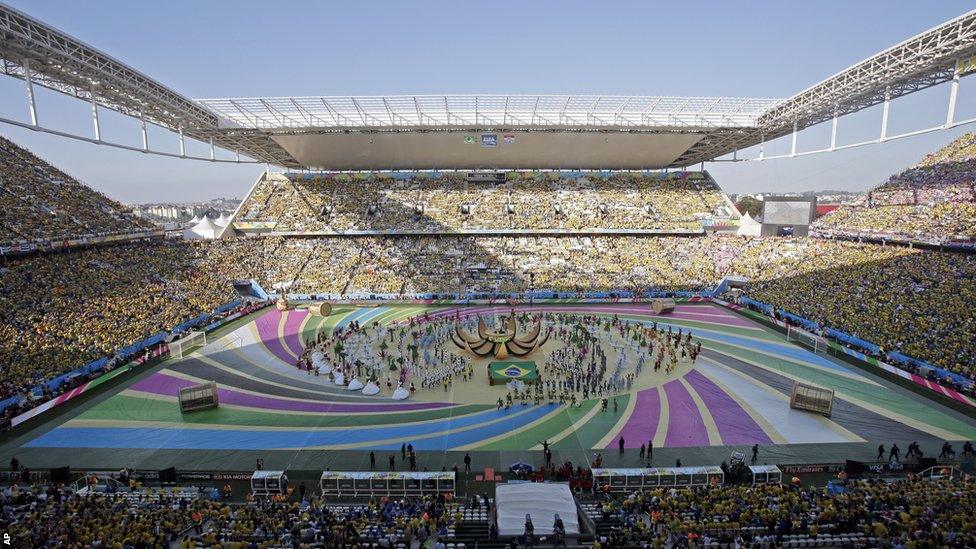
[
  {"x": 432, "y": 131},
  {"x": 538, "y": 131},
  {"x": 415, "y": 112}
]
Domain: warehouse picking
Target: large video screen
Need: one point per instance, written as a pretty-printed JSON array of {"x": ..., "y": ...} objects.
[{"x": 786, "y": 213}]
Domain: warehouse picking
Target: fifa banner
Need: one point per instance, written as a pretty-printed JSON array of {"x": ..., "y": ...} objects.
[
  {"x": 153, "y": 476},
  {"x": 966, "y": 65}
]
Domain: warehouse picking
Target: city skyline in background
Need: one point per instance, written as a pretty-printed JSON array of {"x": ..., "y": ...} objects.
[{"x": 756, "y": 50}]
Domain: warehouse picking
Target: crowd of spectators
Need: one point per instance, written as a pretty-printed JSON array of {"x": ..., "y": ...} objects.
[
  {"x": 933, "y": 200},
  {"x": 901, "y": 513},
  {"x": 448, "y": 202},
  {"x": 40, "y": 202},
  {"x": 917, "y": 304},
  {"x": 906, "y": 513},
  {"x": 56, "y": 516},
  {"x": 907, "y": 300},
  {"x": 59, "y": 311}
]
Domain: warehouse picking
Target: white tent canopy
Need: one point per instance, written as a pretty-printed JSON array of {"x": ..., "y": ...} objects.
[
  {"x": 748, "y": 226},
  {"x": 204, "y": 230},
  {"x": 223, "y": 220},
  {"x": 539, "y": 500}
]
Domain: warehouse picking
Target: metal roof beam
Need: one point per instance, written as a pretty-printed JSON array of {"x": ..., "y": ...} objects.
[{"x": 924, "y": 60}]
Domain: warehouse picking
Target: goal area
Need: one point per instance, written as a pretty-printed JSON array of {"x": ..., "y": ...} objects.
[
  {"x": 187, "y": 344},
  {"x": 231, "y": 341},
  {"x": 807, "y": 339}
]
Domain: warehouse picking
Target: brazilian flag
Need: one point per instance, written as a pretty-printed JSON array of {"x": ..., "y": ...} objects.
[{"x": 504, "y": 371}]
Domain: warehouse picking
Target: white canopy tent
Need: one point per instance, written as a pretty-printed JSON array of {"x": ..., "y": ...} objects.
[
  {"x": 748, "y": 226},
  {"x": 204, "y": 230},
  {"x": 542, "y": 501},
  {"x": 222, "y": 221}
]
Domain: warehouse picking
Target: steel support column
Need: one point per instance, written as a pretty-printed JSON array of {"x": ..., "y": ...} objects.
[
  {"x": 95, "y": 124},
  {"x": 953, "y": 92},
  {"x": 833, "y": 132},
  {"x": 29, "y": 82},
  {"x": 884, "y": 115},
  {"x": 793, "y": 144},
  {"x": 145, "y": 132}
]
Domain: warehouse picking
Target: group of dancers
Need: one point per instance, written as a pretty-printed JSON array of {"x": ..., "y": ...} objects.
[
  {"x": 407, "y": 355},
  {"x": 595, "y": 356},
  {"x": 580, "y": 366}
]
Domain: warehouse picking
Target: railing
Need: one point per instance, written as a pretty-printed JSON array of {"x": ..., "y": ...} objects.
[
  {"x": 81, "y": 486},
  {"x": 959, "y": 244},
  {"x": 50, "y": 245},
  {"x": 587, "y": 525},
  {"x": 501, "y": 297},
  {"x": 941, "y": 471}
]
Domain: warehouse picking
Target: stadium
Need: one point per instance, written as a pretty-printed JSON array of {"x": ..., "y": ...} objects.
[{"x": 489, "y": 320}]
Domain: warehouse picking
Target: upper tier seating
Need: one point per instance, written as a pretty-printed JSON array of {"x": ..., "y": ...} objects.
[
  {"x": 40, "y": 202},
  {"x": 447, "y": 202},
  {"x": 933, "y": 200}
]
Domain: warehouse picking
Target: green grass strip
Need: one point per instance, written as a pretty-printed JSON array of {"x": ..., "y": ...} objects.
[
  {"x": 595, "y": 429},
  {"x": 557, "y": 423}
]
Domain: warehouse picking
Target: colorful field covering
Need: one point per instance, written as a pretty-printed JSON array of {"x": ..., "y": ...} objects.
[
  {"x": 837, "y": 348},
  {"x": 737, "y": 393}
]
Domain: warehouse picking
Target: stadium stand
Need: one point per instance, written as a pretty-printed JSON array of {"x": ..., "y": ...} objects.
[
  {"x": 935, "y": 200},
  {"x": 156, "y": 517},
  {"x": 61, "y": 310},
  {"x": 906, "y": 513},
  {"x": 87, "y": 283},
  {"x": 865, "y": 514},
  {"x": 40, "y": 202},
  {"x": 437, "y": 202},
  {"x": 912, "y": 303}
]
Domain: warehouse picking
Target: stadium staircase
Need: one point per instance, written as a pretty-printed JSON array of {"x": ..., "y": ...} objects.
[
  {"x": 303, "y": 198},
  {"x": 355, "y": 268},
  {"x": 301, "y": 270},
  {"x": 602, "y": 526},
  {"x": 472, "y": 531}
]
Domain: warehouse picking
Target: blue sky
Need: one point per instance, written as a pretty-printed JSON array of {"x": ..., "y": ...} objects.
[{"x": 244, "y": 48}]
